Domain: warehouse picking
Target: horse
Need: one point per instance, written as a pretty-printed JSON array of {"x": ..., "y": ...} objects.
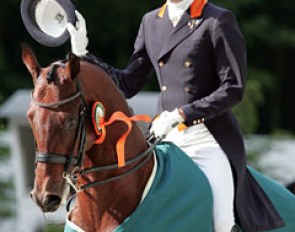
[
  {"x": 109, "y": 188},
  {"x": 86, "y": 137}
]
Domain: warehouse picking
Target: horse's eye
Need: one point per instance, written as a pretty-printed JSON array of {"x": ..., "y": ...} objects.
[{"x": 70, "y": 123}]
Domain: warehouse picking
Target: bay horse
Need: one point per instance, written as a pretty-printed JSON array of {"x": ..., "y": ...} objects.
[
  {"x": 85, "y": 136},
  {"x": 110, "y": 187}
]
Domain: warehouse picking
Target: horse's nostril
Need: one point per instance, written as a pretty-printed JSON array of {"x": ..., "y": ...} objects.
[
  {"x": 52, "y": 200},
  {"x": 33, "y": 195}
]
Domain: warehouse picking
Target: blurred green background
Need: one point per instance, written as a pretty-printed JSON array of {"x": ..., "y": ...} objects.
[{"x": 268, "y": 28}]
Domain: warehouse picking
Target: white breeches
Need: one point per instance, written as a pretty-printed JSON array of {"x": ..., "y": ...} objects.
[{"x": 200, "y": 145}]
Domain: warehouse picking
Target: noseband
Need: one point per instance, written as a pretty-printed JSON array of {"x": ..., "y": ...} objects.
[{"x": 69, "y": 160}]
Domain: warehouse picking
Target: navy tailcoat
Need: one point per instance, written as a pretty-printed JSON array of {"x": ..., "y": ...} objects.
[{"x": 201, "y": 68}]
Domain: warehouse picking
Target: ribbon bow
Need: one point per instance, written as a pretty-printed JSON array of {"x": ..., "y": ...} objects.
[{"x": 100, "y": 129}]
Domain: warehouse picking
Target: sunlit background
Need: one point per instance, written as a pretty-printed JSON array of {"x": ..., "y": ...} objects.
[{"x": 266, "y": 114}]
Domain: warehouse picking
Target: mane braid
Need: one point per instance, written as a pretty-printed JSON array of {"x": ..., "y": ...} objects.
[{"x": 100, "y": 63}]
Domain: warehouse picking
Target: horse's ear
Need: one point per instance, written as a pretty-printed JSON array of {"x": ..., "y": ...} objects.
[
  {"x": 30, "y": 61},
  {"x": 73, "y": 66}
]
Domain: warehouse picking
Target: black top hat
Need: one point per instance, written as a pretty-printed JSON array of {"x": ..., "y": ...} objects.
[{"x": 46, "y": 20}]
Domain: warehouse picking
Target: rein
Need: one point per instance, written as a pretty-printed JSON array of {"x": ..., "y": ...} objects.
[{"x": 77, "y": 161}]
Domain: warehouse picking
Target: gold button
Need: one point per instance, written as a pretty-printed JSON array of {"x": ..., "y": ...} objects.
[
  {"x": 187, "y": 89},
  {"x": 188, "y": 64},
  {"x": 161, "y": 64},
  {"x": 199, "y": 121},
  {"x": 164, "y": 88},
  {"x": 203, "y": 119},
  {"x": 195, "y": 122}
]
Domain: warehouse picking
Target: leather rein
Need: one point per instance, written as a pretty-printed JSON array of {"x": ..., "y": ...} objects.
[{"x": 69, "y": 160}]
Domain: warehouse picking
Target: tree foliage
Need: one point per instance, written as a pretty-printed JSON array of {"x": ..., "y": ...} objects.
[{"x": 268, "y": 28}]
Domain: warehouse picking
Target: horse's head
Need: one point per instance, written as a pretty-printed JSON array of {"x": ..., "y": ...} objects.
[{"x": 55, "y": 116}]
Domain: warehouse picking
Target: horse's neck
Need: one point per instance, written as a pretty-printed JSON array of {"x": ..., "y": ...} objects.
[
  {"x": 107, "y": 205},
  {"x": 104, "y": 207}
]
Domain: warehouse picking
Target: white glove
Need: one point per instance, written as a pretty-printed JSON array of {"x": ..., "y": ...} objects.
[
  {"x": 162, "y": 125},
  {"x": 79, "y": 40}
]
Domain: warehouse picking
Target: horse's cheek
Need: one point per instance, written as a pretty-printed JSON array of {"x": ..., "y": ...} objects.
[{"x": 90, "y": 138}]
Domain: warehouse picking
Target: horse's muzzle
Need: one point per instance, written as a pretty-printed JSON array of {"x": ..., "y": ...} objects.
[{"x": 49, "y": 203}]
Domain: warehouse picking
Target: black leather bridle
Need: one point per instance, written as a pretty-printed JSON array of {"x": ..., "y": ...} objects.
[{"x": 70, "y": 160}]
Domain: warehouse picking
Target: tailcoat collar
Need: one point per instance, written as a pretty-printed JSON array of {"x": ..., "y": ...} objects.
[
  {"x": 196, "y": 9},
  {"x": 189, "y": 22}
]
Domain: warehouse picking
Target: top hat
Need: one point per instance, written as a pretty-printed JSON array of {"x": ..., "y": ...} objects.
[{"x": 46, "y": 20}]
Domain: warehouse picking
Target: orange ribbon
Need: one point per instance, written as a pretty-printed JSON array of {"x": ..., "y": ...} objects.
[{"x": 120, "y": 146}]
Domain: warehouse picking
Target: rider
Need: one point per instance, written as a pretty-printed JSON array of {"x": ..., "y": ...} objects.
[{"x": 198, "y": 53}]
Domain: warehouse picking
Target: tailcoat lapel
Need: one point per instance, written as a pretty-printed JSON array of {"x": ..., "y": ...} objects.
[{"x": 163, "y": 27}]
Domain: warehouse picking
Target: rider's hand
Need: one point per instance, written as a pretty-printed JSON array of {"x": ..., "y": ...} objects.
[
  {"x": 166, "y": 121},
  {"x": 79, "y": 40}
]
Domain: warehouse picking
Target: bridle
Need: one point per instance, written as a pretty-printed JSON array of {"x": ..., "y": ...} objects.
[{"x": 69, "y": 160}]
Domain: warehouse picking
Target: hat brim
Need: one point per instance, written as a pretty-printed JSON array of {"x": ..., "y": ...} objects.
[{"x": 28, "y": 13}]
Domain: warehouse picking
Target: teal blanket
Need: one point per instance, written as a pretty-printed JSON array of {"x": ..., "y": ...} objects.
[{"x": 180, "y": 198}]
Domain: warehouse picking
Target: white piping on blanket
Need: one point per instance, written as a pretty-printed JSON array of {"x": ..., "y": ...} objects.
[
  {"x": 151, "y": 179},
  {"x": 72, "y": 225}
]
